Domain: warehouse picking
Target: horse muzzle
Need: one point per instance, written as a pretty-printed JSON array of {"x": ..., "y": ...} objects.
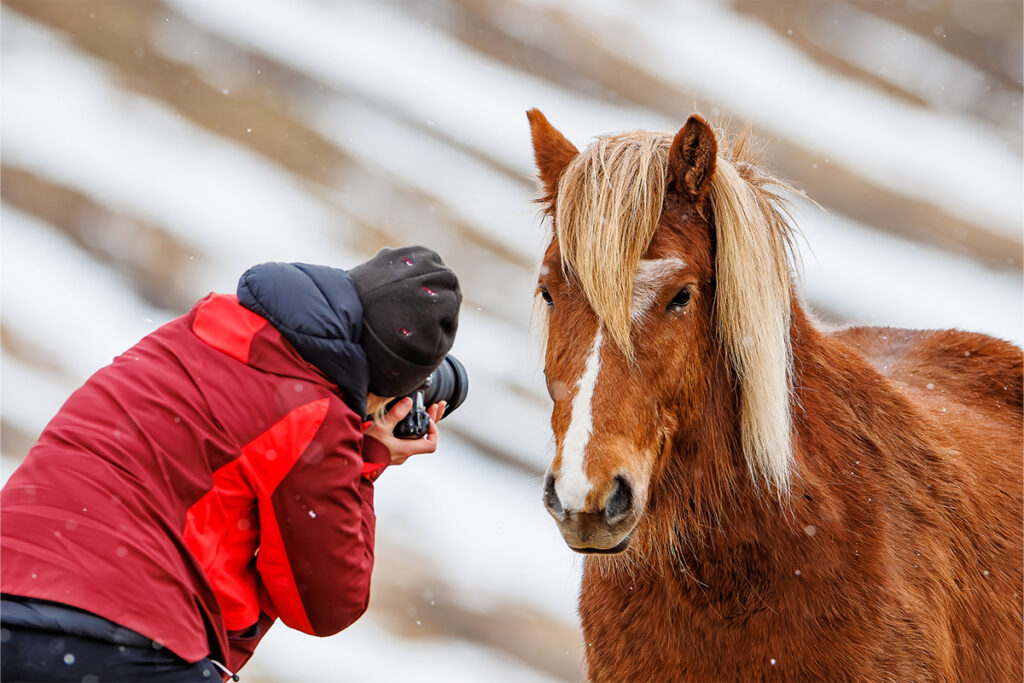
[{"x": 606, "y": 530}]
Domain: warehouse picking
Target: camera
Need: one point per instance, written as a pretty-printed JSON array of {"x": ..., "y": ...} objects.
[{"x": 449, "y": 382}]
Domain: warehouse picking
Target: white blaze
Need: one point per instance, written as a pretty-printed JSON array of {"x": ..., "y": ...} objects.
[
  {"x": 573, "y": 486},
  {"x": 650, "y": 276}
]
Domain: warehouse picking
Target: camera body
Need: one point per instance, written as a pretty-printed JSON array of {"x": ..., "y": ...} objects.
[{"x": 449, "y": 382}]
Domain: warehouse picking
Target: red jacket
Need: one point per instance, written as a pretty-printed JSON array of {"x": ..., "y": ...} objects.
[{"x": 147, "y": 497}]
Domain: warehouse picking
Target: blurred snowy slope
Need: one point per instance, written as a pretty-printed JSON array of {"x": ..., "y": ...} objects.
[{"x": 153, "y": 151}]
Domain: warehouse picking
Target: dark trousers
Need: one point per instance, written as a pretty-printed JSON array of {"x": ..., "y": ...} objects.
[{"x": 74, "y": 648}]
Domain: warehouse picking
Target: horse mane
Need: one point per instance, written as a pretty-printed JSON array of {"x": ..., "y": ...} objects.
[
  {"x": 608, "y": 207},
  {"x": 754, "y": 304}
]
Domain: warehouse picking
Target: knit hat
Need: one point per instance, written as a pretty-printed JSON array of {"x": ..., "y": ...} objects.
[{"x": 410, "y": 314}]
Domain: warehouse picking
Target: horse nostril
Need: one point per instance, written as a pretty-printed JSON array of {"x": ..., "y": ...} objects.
[
  {"x": 620, "y": 502},
  {"x": 551, "y": 498}
]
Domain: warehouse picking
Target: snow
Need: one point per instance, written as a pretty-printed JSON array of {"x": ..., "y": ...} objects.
[
  {"x": 53, "y": 291},
  {"x": 493, "y": 539},
  {"x": 443, "y": 83},
  {"x": 903, "y": 58},
  {"x": 226, "y": 202},
  {"x": 932, "y": 155},
  {"x": 419, "y": 71},
  {"x": 485, "y": 198},
  {"x": 370, "y": 653},
  {"x": 876, "y": 278}
]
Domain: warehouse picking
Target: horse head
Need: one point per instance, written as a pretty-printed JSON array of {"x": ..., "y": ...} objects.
[{"x": 647, "y": 313}]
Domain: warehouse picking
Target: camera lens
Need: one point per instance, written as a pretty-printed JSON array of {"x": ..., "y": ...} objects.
[{"x": 449, "y": 382}]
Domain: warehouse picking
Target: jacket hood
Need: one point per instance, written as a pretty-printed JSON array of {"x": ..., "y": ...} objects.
[{"x": 316, "y": 308}]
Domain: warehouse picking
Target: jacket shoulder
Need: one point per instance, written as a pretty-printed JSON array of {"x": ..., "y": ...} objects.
[{"x": 318, "y": 311}]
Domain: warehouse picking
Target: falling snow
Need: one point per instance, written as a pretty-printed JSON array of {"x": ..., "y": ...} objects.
[{"x": 547, "y": 582}]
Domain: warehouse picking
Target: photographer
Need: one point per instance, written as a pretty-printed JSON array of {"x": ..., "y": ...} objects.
[{"x": 216, "y": 476}]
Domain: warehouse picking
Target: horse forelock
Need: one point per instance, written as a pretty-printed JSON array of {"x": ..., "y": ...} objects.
[{"x": 608, "y": 208}]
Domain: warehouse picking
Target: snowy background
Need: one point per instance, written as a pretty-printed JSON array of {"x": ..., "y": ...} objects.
[{"x": 152, "y": 151}]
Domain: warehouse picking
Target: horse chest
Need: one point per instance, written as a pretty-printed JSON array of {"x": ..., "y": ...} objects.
[
  {"x": 701, "y": 622},
  {"x": 674, "y": 627}
]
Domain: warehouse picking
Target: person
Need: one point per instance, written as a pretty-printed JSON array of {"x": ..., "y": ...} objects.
[{"x": 216, "y": 477}]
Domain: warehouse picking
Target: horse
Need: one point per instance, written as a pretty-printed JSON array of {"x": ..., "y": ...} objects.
[{"x": 758, "y": 496}]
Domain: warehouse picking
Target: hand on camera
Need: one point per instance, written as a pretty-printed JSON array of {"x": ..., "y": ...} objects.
[{"x": 403, "y": 449}]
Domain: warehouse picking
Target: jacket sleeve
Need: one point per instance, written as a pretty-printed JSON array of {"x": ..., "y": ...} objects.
[{"x": 317, "y": 526}]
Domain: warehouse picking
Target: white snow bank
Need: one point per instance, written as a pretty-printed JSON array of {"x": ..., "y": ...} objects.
[
  {"x": 73, "y": 309},
  {"x": 483, "y": 526},
  {"x": 878, "y": 278},
  {"x": 485, "y": 198},
  {"x": 134, "y": 155},
  {"x": 367, "y": 652},
  {"x": 378, "y": 52}
]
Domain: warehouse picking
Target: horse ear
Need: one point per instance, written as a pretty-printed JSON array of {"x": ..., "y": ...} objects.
[
  {"x": 551, "y": 151},
  {"x": 691, "y": 160}
]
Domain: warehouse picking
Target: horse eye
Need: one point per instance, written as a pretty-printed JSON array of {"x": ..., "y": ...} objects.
[
  {"x": 679, "y": 301},
  {"x": 546, "y": 295}
]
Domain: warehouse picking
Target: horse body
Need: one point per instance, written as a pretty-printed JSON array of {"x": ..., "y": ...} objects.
[
  {"x": 882, "y": 564},
  {"x": 891, "y": 548}
]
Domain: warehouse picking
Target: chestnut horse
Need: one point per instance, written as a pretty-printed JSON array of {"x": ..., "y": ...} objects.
[{"x": 761, "y": 498}]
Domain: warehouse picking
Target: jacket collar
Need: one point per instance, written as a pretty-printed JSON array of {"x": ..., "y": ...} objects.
[{"x": 317, "y": 310}]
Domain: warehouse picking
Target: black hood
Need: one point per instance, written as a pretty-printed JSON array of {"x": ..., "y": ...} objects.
[{"x": 317, "y": 309}]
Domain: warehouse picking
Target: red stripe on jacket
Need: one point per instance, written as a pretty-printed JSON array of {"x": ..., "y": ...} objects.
[{"x": 226, "y": 526}]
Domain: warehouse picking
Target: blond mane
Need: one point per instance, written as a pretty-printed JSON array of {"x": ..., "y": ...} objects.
[
  {"x": 608, "y": 208},
  {"x": 753, "y": 298}
]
